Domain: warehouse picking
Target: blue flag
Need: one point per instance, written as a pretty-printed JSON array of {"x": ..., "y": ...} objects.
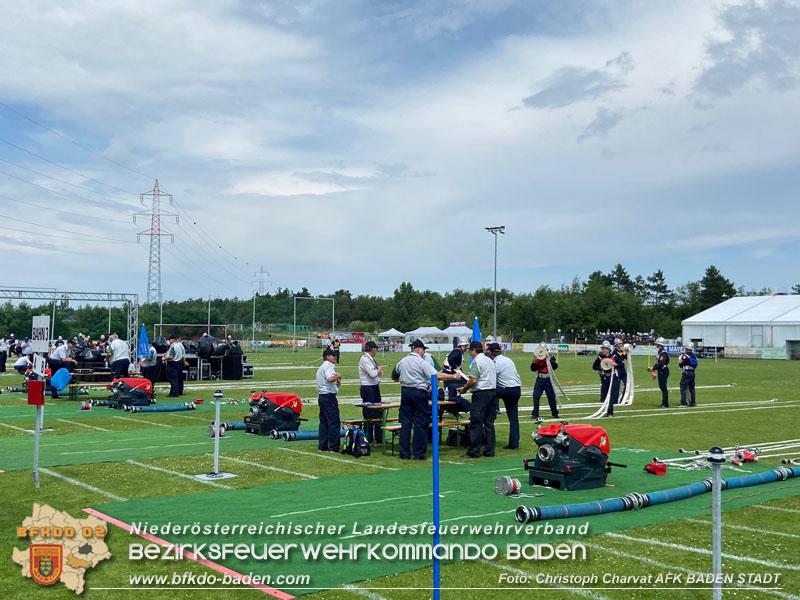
[
  {"x": 476, "y": 331},
  {"x": 144, "y": 343}
]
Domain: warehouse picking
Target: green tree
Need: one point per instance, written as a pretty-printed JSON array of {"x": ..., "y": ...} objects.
[
  {"x": 620, "y": 279},
  {"x": 715, "y": 288},
  {"x": 658, "y": 293}
]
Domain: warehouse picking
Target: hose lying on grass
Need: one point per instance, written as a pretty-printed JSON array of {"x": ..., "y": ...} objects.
[{"x": 635, "y": 500}]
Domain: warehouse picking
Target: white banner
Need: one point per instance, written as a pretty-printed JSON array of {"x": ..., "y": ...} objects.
[{"x": 40, "y": 334}]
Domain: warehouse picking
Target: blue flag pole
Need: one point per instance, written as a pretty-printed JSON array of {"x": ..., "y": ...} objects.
[
  {"x": 144, "y": 343},
  {"x": 435, "y": 443},
  {"x": 476, "y": 334}
]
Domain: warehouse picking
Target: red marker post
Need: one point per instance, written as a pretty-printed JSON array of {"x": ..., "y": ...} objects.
[{"x": 36, "y": 398}]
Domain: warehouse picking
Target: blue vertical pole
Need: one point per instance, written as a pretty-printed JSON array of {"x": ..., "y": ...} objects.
[{"x": 435, "y": 437}]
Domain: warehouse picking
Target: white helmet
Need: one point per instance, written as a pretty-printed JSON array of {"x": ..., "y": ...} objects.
[
  {"x": 489, "y": 339},
  {"x": 544, "y": 344},
  {"x": 689, "y": 345},
  {"x": 606, "y": 344},
  {"x": 660, "y": 341},
  {"x": 462, "y": 341},
  {"x": 618, "y": 341}
]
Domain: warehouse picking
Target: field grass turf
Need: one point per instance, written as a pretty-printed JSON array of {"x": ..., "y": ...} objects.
[{"x": 765, "y": 540}]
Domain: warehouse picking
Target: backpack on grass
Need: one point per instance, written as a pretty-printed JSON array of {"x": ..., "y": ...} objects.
[{"x": 356, "y": 443}]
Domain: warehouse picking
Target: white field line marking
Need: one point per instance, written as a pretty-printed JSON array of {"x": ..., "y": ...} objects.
[
  {"x": 175, "y": 436},
  {"x": 177, "y": 474},
  {"x": 140, "y": 421},
  {"x": 704, "y": 551},
  {"x": 133, "y": 448},
  {"x": 532, "y": 577},
  {"x": 660, "y": 565},
  {"x": 749, "y": 529},
  {"x": 778, "y": 508},
  {"x": 82, "y": 424},
  {"x": 714, "y": 404},
  {"x": 188, "y": 417},
  {"x": 694, "y": 411},
  {"x": 82, "y": 484},
  {"x": 451, "y": 462},
  {"x": 17, "y": 428},
  {"x": 268, "y": 468},
  {"x": 343, "y": 460},
  {"x": 364, "y": 593},
  {"x": 381, "y": 501}
]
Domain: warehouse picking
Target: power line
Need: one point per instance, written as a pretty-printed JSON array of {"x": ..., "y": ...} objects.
[
  {"x": 80, "y": 187},
  {"x": 63, "y": 237},
  {"x": 92, "y": 202},
  {"x": 28, "y": 204},
  {"x": 71, "y": 141},
  {"x": 97, "y": 237}
]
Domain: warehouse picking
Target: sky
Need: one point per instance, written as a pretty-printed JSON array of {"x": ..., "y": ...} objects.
[{"x": 354, "y": 144}]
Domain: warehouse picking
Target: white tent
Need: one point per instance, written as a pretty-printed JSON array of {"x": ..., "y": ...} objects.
[
  {"x": 747, "y": 321},
  {"x": 429, "y": 333},
  {"x": 458, "y": 330},
  {"x": 391, "y": 333}
]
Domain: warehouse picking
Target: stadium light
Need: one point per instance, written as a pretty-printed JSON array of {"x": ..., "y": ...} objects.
[{"x": 494, "y": 231}]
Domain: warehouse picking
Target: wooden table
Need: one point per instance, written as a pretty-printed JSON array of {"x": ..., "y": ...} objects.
[{"x": 385, "y": 407}]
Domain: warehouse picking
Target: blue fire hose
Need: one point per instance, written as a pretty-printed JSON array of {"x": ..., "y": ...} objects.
[
  {"x": 635, "y": 500},
  {"x": 291, "y": 436},
  {"x": 161, "y": 408}
]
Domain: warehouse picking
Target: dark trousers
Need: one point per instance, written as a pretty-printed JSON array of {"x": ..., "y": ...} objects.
[
  {"x": 119, "y": 368},
  {"x": 614, "y": 396},
  {"x": 510, "y": 398},
  {"x": 414, "y": 410},
  {"x": 462, "y": 404},
  {"x": 482, "y": 415},
  {"x": 3, "y": 357},
  {"x": 544, "y": 385},
  {"x": 372, "y": 395},
  {"x": 604, "y": 383},
  {"x": 663, "y": 375},
  {"x": 55, "y": 365},
  {"x": 329, "y": 423},
  {"x": 622, "y": 382},
  {"x": 151, "y": 374},
  {"x": 687, "y": 385},
  {"x": 175, "y": 377}
]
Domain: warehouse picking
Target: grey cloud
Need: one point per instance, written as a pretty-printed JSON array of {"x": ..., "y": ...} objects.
[
  {"x": 624, "y": 62},
  {"x": 764, "y": 47},
  {"x": 574, "y": 84},
  {"x": 604, "y": 122},
  {"x": 716, "y": 147}
]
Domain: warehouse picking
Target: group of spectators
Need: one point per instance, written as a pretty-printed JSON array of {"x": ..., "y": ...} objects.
[{"x": 627, "y": 338}]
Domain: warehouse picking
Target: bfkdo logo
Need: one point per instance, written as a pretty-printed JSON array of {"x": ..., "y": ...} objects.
[
  {"x": 62, "y": 548},
  {"x": 45, "y": 561}
]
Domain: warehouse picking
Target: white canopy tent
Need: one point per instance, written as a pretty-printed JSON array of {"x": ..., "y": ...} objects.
[
  {"x": 747, "y": 321},
  {"x": 391, "y": 333},
  {"x": 424, "y": 333}
]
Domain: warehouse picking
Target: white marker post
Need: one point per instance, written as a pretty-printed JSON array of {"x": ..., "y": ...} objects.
[
  {"x": 716, "y": 456},
  {"x": 215, "y": 474}
]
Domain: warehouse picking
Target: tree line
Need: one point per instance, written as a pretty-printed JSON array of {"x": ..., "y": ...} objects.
[{"x": 613, "y": 301}]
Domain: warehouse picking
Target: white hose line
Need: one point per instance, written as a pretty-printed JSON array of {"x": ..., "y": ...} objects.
[
  {"x": 600, "y": 412},
  {"x": 558, "y": 385},
  {"x": 627, "y": 397}
]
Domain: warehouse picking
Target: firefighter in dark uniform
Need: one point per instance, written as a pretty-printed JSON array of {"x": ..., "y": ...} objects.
[
  {"x": 619, "y": 355},
  {"x": 688, "y": 362},
  {"x": 661, "y": 369},
  {"x": 335, "y": 347},
  {"x": 453, "y": 361},
  {"x": 605, "y": 375},
  {"x": 541, "y": 365}
]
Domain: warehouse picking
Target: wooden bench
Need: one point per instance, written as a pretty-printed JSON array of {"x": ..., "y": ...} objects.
[
  {"x": 461, "y": 424},
  {"x": 73, "y": 388}
]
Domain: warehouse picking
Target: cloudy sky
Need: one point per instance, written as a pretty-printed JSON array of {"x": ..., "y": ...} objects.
[{"x": 355, "y": 144}]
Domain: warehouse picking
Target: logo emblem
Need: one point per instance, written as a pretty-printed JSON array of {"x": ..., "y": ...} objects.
[{"x": 46, "y": 561}]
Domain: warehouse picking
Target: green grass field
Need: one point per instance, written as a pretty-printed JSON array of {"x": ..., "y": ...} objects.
[{"x": 135, "y": 469}]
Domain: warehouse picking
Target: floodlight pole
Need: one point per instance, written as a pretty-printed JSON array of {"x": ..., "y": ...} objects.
[{"x": 494, "y": 231}]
